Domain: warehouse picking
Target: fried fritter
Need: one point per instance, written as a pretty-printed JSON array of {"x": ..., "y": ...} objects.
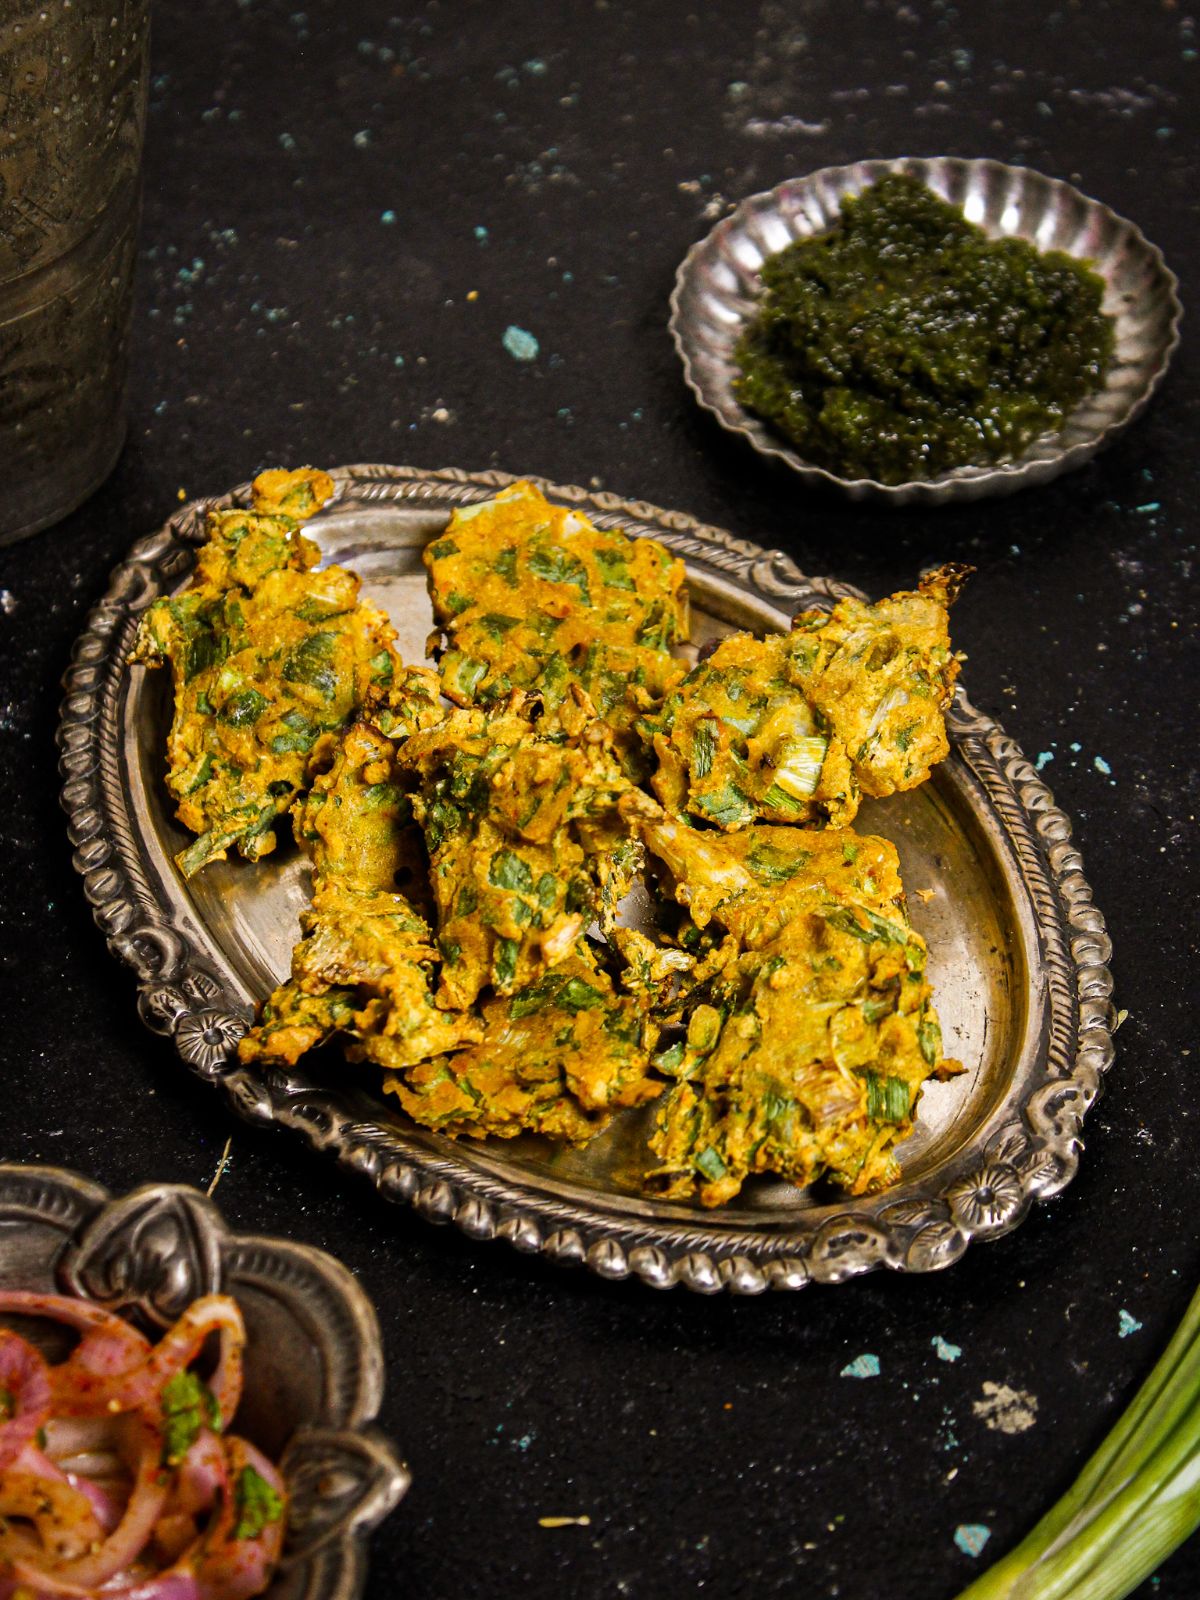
[
  {"x": 796, "y": 728},
  {"x": 746, "y": 884},
  {"x": 364, "y": 966},
  {"x": 531, "y": 596},
  {"x": 882, "y": 676},
  {"x": 269, "y": 658},
  {"x": 504, "y": 803},
  {"x": 736, "y": 741},
  {"x": 812, "y": 1030},
  {"x": 557, "y": 1058}
]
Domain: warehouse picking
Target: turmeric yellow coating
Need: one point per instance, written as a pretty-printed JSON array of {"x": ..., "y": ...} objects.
[
  {"x": 798, "y": 727},
  {"x": 811, "y": 1031},
  {"x": 504, "y": 803},
  {"x": 513, "y": 823},
  {"x": 270, "y": 658},
  {"x": 529, "y": 595},
  {"x": 881, "y": 677},
  {"x": 557, "y": 1058},
  {"x": 364, "y": 967}
]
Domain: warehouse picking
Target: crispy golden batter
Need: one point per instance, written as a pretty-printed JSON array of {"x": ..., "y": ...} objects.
[
  {"x": 796, "y": 989},
  {"x": 557, "y": 1058},
  {"x": 364, "y": 966},
  {"x": 746, "y": 884},
  {"x": 531, "y": 596},
  {"x": 882, "y": 676},
  {"x": 809, "y": 1039},
  {"x": 503, "y": 803},
  {"x": 796, "y": 728},
  {"x": 269, "y": 658}
]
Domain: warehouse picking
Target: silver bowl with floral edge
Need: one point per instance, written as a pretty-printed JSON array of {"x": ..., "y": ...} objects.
[
  {"x": 313, "y": 1359},
  {"x": 1018, "y": 951},
  {"x": 717, "y": 287}
]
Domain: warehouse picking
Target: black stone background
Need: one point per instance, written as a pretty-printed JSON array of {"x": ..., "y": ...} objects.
[{"x": 712, "y": 1443}]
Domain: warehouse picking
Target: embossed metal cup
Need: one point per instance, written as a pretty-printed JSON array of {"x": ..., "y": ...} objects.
[{"x": 72, "y": 117}]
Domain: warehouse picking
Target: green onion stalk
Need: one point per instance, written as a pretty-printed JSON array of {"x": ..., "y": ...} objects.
[{"x": 1135, "y": 1501}]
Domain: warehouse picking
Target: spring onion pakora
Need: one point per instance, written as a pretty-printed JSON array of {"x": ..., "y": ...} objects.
[
  {"x": 798, "y": 727},
  {"x": 364, "y": 966},
  {"x": 471, "y": 861},
  {"x": 269, "y": 657},
  {"x": 812, "y": 1032},
  {"x": 557, "y": 1058},
  {"x": 531, "y": 596},
  {"x": 503, "y": 803}
]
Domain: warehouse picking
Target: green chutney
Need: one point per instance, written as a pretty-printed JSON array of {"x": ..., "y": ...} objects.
[{"x": 903, "y": 341}]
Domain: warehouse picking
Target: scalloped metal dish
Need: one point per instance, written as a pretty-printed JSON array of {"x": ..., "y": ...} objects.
[
  {"x": 314, "y": 1363},
  {"x": 717, "y": 285},
  {"x": 1018, "y": 950}
]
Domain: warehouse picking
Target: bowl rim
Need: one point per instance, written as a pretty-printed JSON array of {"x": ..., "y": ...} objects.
[
  {"x": 973, "y": 480},
  {"x": 113, "y": 1250}
]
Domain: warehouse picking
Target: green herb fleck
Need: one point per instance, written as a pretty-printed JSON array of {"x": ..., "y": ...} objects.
[{"x": 258, "y": 1505}]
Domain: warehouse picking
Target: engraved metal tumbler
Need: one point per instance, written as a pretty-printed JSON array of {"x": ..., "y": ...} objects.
[{"x": 72, "y": 118}]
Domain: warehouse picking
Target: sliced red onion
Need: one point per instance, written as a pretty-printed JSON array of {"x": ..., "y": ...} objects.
[
  {"x": 101, "y": 1408},
  {"x": 124, "y": 1544},
  {"x": 133, "y": 1389},
  {"x": 63, "y": 1517},
  {"x": 25, "y": 1382}
]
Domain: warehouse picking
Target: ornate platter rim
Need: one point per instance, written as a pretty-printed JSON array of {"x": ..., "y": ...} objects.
[{"x": 987, "y": 1190}]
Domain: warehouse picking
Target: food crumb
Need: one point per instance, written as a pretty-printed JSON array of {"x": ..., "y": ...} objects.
[
  {"x": 565, "y": 1522},
  {"x": 1127, "y": 1324},
  {"x": 864, "y": 1366},
  {"x": 520, "y": 344},
  {"x": 945, "y": 1350},
  {"x": 1006, "y": 1410},
  {"x": 924, "y": 895},
  {"x": 970, "y": 1537}
]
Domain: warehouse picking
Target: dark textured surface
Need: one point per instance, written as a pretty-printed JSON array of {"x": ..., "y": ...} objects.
[{"x": 282, "y": 318}]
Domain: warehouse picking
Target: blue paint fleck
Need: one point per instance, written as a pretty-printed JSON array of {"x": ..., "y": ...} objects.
[
  {"x": 970, "y": 1537},
  {"x": 521, "y": 345},
  {"x": 387, "y": 218},
  {"x": 287, "y": 141},
  {"x": 945, "y": 1350},
  {"x": 481, "y": 233},
  {"x": 1127, "y": 1324},
  {"x": 1150, "y": 506},
  {"x": 1045, "y": 757},
  {"x": 535, "y": 68},
  {"x": 1102, "y": 766},
  {"x": 1076, "y": 747},
  {"x": 865, "y": 1366},
  {"x": 397, "y": 361}
]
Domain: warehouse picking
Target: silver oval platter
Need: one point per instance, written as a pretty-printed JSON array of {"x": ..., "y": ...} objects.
[
  {"x": 1018, "y": 950},
  {"x": 716, "y": 290}
]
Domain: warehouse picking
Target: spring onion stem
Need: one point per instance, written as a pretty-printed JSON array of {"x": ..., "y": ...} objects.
[{"x": 1133, "y": 1503}]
